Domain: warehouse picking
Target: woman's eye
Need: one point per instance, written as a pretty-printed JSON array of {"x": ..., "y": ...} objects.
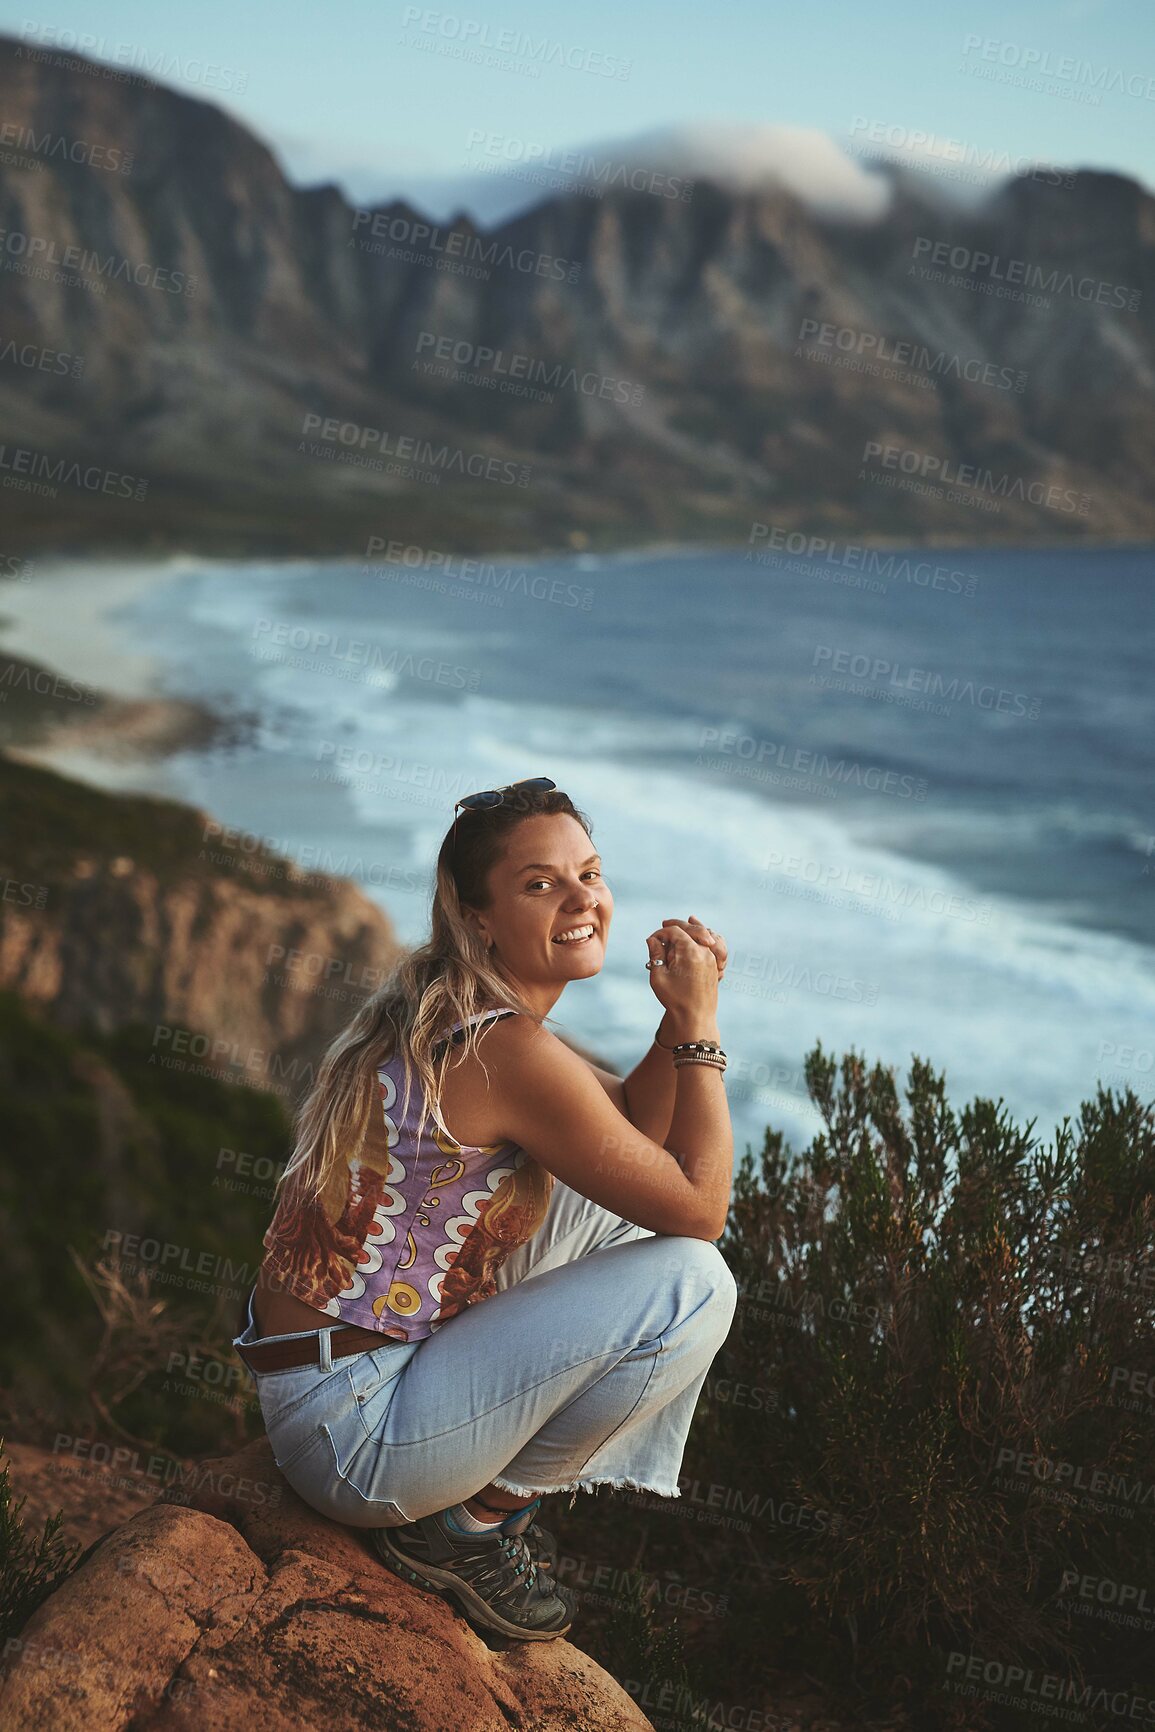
[{"x": 590, "y": 872}]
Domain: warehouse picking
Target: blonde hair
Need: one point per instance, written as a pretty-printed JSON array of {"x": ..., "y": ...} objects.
[{"x": 451, "y": 977}]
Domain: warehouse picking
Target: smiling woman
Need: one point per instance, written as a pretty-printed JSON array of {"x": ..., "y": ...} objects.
[{"x": 556, "y": 1199}]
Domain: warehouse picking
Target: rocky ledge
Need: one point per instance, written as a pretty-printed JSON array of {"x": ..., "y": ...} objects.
[{"x": 229, "y": 1605}]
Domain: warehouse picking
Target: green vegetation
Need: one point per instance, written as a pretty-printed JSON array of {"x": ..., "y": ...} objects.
[
  {"x": 946, "y": 1320},
  {"x": 30, "y": 1569},
  {"x": 649, "y": 1661},
  {"x": 56, "y": 829},
  {"x": 101, "y": 1145}
]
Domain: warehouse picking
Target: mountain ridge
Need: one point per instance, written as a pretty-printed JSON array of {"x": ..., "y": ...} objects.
[{"x": 721, "y": 349}]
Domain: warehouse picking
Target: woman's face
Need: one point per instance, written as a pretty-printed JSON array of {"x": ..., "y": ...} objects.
[{"x": 545, "y": 887}]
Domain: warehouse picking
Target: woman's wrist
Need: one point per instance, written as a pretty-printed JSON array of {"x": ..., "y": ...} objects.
[{"x": 673, "y": 1030}]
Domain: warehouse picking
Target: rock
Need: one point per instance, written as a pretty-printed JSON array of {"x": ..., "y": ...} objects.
[{"x": 243, "y": 1609}]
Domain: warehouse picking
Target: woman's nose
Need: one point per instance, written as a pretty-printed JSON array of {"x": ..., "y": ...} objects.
[{"x": 585, "y": 896}]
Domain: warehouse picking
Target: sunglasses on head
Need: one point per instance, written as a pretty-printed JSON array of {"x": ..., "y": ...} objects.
[{"x": 495, "y": 796}]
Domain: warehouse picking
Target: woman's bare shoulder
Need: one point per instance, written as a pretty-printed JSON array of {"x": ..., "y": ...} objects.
[
  {"x": 519, "y": 1040},
  {"x": 511, "y": 1051}
]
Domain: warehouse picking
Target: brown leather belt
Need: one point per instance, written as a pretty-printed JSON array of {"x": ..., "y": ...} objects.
[{"x": 344, "y": 1339}]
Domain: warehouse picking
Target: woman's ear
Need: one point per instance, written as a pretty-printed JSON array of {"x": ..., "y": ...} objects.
[{"x": 478, "y": 925}]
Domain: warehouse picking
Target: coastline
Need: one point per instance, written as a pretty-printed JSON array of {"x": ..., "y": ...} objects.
[
  {"x": 61, "y": 615},
  {"x": 38, "y": 543},
  {"x": 60, "y": 624},
  {"x": 61, "y": 618}
]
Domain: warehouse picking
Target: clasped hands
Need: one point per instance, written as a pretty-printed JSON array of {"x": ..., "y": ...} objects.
[{"x": 664, "y": 943}]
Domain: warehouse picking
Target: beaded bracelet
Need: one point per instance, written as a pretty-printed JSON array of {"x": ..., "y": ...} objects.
[{"x": 702, "y": 1059}]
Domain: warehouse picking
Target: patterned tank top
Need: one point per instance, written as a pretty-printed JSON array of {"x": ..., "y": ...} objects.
[{"x": 408, "y": 1232}]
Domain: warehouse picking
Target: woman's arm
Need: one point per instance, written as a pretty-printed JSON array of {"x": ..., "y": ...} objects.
[
  {"x": 541, "y": 1095},
  {"x": 646, "y": 1096}
]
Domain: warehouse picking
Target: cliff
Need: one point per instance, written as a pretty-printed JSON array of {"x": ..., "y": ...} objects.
[
  {"x": 232, "y": 1604},
  {"x": 682, "y": 367},
  {"x": 123, "y": 909}
]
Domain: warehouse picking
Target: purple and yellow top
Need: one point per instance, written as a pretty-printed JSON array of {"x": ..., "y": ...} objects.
[{"x": 409, "y": 1232}]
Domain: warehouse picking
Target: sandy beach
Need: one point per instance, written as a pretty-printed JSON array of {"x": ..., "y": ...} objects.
[
  {"x": 64, "y": 619},
  {"x": 61, "y": 617}
]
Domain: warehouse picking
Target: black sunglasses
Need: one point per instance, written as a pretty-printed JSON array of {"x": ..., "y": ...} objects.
[{"x": 495, "y": 796}]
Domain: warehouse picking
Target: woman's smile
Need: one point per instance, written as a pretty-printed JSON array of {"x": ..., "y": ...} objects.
[{"x": 578, "y": 935}]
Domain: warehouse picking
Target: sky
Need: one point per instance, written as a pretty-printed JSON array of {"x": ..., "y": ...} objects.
[{"x": 375, "y": 94}]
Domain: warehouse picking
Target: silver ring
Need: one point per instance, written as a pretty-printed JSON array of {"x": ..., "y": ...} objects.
[{"x": 656, "y": 962}]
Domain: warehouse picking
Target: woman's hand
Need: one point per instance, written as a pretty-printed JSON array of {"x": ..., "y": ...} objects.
[
  {"x": 684, "y": 973},
  {"x": 712, "y": 940}
]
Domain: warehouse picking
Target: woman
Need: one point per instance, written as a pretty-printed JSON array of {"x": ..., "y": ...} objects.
[{"x": 532, "y": 1308}]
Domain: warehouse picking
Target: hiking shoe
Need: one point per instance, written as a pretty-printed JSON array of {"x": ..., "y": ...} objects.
[
  {"x": 492, "y": 1576},
  {"x": 541, "y": 1543}
]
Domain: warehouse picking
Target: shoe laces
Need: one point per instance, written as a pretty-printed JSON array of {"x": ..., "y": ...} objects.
[{"x": 516, "y": 1547}]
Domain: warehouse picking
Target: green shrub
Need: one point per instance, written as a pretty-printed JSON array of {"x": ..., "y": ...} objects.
[
  {"x": 948, "y": 1320},
  {"x": 648, "y": 1661},
  {"x": 99, "y": 1143},
  {"x": 30, "y": 1569}
]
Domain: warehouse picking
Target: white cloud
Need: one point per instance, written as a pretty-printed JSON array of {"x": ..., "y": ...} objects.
[{"x": 804, "y": 161}]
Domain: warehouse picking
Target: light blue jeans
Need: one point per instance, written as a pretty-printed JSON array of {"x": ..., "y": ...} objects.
[{"x": 583, "y": 1369}]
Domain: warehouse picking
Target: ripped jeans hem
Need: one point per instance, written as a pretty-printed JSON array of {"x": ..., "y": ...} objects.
[{"x": 618, "y": 1482}]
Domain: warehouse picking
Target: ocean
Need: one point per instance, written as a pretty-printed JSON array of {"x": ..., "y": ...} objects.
[{"x": 913, "y": 788}]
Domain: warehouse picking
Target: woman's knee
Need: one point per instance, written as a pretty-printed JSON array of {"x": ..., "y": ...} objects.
[
  {"x": 722, "y": 1276},
  {"x": 702, "y": 1258}
]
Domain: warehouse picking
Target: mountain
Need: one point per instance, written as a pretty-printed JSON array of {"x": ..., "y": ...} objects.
[{"x": 239, "y": 364}]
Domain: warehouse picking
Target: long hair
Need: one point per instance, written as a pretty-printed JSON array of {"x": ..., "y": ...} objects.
[{"x": 451, "y": 977}]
